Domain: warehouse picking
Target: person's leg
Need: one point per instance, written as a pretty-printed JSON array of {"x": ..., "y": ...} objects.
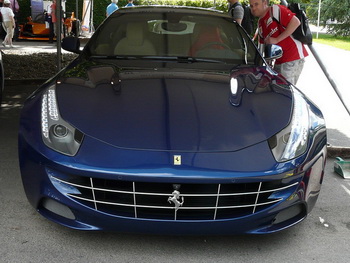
[
  {"x": 52, "y": 33},
  {"x": 298, "y": 69},
  {"x": 291, "y": 70},
  {"x": 5, "y": 29},
  {"x": 10, "y": 34},
  {"x": 55, "y": 29}
]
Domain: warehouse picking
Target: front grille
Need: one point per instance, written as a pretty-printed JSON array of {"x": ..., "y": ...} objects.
[{"x": 159, "y": 201}]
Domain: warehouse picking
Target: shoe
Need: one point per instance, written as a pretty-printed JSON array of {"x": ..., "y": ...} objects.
[
  {"x": 12, "y": 46},
  {"x": 3, "y": 44}
]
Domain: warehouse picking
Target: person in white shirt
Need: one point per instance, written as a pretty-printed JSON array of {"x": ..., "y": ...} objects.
[
  {"x": 8, "y": 22},
  {"x": 15, "y": 8}
]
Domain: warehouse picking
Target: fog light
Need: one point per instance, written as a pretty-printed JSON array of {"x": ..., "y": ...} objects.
[
  {"x": 60, "y": 131},
  {"x": 58, "y": 208},
  {"x": 289, "y": 213}
]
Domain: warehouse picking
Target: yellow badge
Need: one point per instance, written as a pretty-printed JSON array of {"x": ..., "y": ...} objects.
[{"x": 177, "y": 159}]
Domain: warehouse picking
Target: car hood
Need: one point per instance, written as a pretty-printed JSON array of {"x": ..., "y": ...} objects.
[{"x": 175, "y": 110}]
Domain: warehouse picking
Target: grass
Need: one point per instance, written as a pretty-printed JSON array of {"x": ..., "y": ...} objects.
[{"x": 335, "y": 41}]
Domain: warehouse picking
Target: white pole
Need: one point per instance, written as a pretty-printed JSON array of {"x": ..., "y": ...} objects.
[
  {"x": 92, "y": 29},
  {"x": 318, "y": 18},
  {"x": 59, "y": 32}
]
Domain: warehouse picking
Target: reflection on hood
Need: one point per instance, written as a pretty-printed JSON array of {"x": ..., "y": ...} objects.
[
  {"x": 176, "y": 110},
  {"x": 256, "y": 80}
]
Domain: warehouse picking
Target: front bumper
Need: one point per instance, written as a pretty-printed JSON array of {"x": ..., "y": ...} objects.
[{"x": 88, "y": 199}]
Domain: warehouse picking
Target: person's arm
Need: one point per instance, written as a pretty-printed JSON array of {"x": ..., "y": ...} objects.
[
  {"x": 292, "y": 25},
  {"x": 237, "y": 14}
]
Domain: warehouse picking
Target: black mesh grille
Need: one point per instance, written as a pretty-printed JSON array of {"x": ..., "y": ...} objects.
[{"x": 152, "y": 200}]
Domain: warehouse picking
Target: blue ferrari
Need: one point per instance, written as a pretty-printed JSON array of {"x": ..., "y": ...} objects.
[{"x": 170, "y": 121}]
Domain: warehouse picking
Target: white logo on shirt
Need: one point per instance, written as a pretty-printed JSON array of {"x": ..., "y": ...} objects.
[{"x": 268, "y": 21}]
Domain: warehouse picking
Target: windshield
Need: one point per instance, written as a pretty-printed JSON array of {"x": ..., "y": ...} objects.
[{"x": 173, "y": 35}]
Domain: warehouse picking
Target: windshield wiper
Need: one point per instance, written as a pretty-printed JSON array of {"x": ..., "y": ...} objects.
[
  {"x": 114, "y": 57},
  {"x": 192, "y": 60},
  {"x": 181, "y": 59}
]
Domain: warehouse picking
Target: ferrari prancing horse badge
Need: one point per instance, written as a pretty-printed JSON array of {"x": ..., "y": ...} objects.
[{"x": 177, "y": 159}]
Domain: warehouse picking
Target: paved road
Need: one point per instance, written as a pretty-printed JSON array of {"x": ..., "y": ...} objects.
[
  {"x": 25, "y": 236},
  {"x": 316, "y": 86}
]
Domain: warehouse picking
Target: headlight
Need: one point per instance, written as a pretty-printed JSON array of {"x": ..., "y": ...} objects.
[
  {"x": 291, "y": 142},
  {"x": 57, "y": 133}
]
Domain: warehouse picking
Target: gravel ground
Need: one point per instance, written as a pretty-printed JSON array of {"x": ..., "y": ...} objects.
[{"x": 19, "y": 64}]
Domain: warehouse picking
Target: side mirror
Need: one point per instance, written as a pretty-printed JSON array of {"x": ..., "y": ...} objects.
[
  {"x": 272, "y": 52},
  {"x": 71, "y": 44}
]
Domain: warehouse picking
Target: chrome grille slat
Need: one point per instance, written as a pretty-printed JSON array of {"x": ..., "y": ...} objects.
[
  {"x": 257, "y": 198},
  {"x": 134, "y": 195},
  {"x": 167, "y": 194},
  {"x": 93, "y": 193},
  {"x": 217, "y": 201},
  {"x": 181, "y": 208},
  {"x": 140, "y": 200}
]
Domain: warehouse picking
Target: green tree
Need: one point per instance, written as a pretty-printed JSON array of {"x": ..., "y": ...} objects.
[{"x": 334, "y": 11}]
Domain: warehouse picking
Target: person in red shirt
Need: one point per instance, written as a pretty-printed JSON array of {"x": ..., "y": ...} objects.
[{"x": 275, "y": 26}]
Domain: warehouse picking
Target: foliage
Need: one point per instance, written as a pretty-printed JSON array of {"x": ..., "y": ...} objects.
[
  {"x": 334, "y": 13},
  {"x": 222, "y": 5}
]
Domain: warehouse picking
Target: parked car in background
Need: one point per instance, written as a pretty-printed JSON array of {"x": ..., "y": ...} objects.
[
  {"x": 170, "y": 121},
  {"x": 38, "y": 28}
]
